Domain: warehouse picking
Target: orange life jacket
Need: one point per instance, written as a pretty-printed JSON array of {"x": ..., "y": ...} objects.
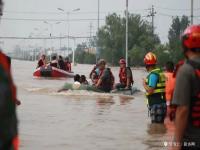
[
  {"x": 5, "y": 64},
  {"x": 169, "y": 86},
  {"x": 195, "y": 99},
  {"x": 123, "y": 76},
  {"x": 11, "y": 128}
]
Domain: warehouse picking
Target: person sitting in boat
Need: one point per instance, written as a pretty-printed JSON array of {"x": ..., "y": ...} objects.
[
  {"x": 94, "y": 74},
  {"x": 61, "y": 63},
  {"x": 105, "y": 78},
  {"x": 54, "y": 62},
  {"x": 68, "y": 65},
  {"x": 125, "y": 76},
  {"x": 83, "y": 80},
  {"x": 42, "y": 61}
]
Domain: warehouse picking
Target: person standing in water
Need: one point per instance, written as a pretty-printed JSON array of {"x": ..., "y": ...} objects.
[
  {"x": 170, "y": 84},
  {"x": 154, "y": 84},
  {"x": 187, "y": 93},
  {"x": 8, "y": 119}
]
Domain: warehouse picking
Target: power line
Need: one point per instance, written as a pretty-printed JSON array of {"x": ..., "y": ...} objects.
[
  {"x": 169, "y": 15},
  {"x": 177, "y": 9},
  {"x": 61, "y": 20},
  {"x": 44, "y": 38},
  {"x": 152, "y": 15},
  {"x": 80, "y": 12}
]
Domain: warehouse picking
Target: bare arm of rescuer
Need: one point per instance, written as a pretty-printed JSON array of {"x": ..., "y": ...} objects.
[
  {"x": 182, "y": 113},
  {"x": 147, "y": 88},
  {"x": 99, "y": 83}
]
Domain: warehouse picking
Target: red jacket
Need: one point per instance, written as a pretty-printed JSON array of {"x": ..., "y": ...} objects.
[{"x": 8, "y": 125}]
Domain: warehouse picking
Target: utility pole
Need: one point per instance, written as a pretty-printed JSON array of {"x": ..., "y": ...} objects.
[
  {"x": 98, "y": 13},
  {"x": 192, "y": 11},
  {"x": 127, "y": 32},
  {"x": 98, "y": 18},
  {"x": 91, "y": 26},
  {"x": 152, "y": 15}
]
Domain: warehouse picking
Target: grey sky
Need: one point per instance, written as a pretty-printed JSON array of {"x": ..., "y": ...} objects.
[{"x": 88, "y": 11}]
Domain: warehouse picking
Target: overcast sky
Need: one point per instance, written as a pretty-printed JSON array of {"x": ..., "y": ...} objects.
[{"x": 47, "y": 9}]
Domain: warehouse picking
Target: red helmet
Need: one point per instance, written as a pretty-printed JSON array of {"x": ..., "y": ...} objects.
[
  {"x": 122, "y": 61},
  {"x": 150, "y": 59},
  {"x": 191, "y": 37}
]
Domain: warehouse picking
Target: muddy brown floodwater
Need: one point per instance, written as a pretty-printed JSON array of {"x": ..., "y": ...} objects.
[{"x": 83, "y": 120}]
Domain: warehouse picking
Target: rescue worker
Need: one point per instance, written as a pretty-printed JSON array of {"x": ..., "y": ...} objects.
[
  {"x": 54, "y": 62},
  {"x": 105, "y": 80},
  {"x": 154, "y": 85},
  {"x": 187, "y": 93},
  {"x": 170, "y": 84},
  {"x": 61, "y": 63},
  {"x": 42, "y": 61},
  {"x": 8, "y": 119},
  {"x": 68, "y": 65},
  {"x": 125, "y": 76}
]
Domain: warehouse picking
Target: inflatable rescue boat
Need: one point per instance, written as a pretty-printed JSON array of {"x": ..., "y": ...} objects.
[{"x": 49, "y": 71}]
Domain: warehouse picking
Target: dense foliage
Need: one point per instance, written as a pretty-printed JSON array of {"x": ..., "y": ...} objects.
[{"x": 111, "y": 41}]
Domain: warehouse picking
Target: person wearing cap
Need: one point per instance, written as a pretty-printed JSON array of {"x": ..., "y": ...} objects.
[
  {"x": 125, "y": 76},
  {"x": 187, "y": 93},
  {"x": 154, "y": 84},
  {"x": 105, "y": 79}
]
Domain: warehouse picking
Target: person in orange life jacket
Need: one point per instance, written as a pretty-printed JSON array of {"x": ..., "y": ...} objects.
[
  {"x": 61, "y": 63},
  {"x": 42, "y": 61},
  {"x": 8, "y": 125},
  {"x": 172, "y": 109},
  {"x": 125, "y": 76},
  {"x": 68, "y": 64},
  {"x": 154, "y": 85},
  {"x": 187, "y": 93},
  {"x": 170, "y": 84},
  {"x": 54, "y": 62},
  {"x": 105, "y": 79}
]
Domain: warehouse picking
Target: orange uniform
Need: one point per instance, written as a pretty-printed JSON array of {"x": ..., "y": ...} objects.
[{"x": 170, "y": 85}]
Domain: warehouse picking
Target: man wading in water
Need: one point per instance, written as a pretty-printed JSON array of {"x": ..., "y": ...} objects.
[
  {"x": 154, "y": 85},
  {"x": 187, "y": 93},
  {"x": 8, "y": 120}
]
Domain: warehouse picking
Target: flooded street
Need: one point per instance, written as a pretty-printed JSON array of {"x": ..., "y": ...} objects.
[{"x": 82, "y": 120}]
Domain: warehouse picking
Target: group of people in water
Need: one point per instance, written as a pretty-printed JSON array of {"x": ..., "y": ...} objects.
[
  {"x": 103, "y": 79},
  {"x": 175, "y": 93},
  {"x": 57, "y": 62}
]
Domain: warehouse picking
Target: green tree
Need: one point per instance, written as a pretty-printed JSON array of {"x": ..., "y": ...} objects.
[
  {"x": 111, "y": 38},
  {"x": 175, "y": 32}
]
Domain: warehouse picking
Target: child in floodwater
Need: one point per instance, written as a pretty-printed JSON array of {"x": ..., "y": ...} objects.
[{"x": 83, "y": 80}]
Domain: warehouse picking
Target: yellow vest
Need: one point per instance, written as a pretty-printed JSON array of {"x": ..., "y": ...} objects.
[{"x": 160, "y": 86}]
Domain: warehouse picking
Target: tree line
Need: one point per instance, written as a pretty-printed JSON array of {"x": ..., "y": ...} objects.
[{"x": 111, "y": 41}]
